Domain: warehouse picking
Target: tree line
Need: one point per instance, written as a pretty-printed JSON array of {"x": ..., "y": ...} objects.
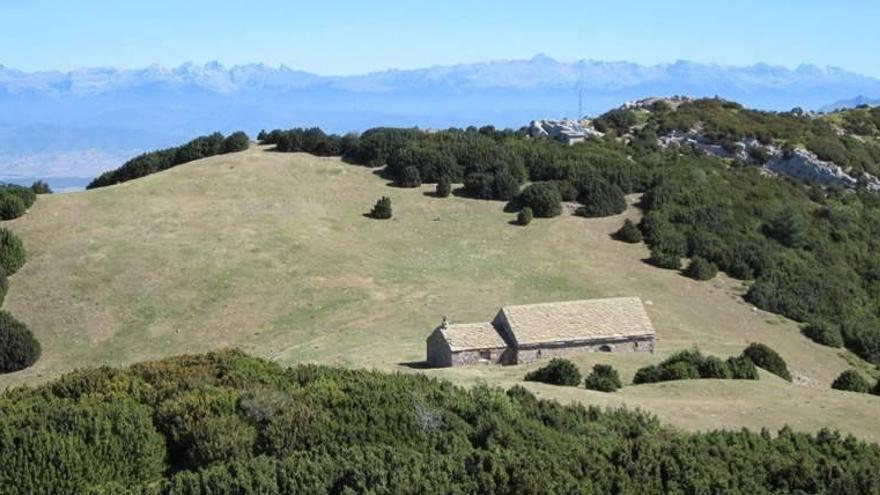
[{"x": 157, "y": 161}]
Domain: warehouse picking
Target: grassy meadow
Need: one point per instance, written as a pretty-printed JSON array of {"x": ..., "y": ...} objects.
[{"x": 272, "y": 253}]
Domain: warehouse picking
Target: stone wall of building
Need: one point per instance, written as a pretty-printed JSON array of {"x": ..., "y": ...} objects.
[
  {"x": 438, "y": 353},
  {"x": 500, "y": 355},
  {"x": 529, "y": 354}
]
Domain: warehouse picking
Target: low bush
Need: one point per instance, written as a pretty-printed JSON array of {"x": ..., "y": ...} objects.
[
  {"x": 11, "y": 206},
  {"x": 237, "y": 141},
  {"x": 409, "y": 177},
  {"x": 601, "y": 199},
  {"x": 713, "y": 367},
  {"x": 12, "y": 255},
  {"x": 543, "y": 198},
  {"x": 691, "y": 364},
  {"x": 604, "y": 378},
  {"x": 524, "y": 217},
  {"x": 629, "y": 233},
  {"x": 701, "y": 269},
  {"x": 444, "y": 188},
  {"x": 41, "y": 187},
  {"x": 765, "y": 357},
  {"x": 742, "y": 368},
  {"x": 382, "y": 209},
  {"x": 18, "y": 347},
  {"x": 824, "y": 333},
  {"x": 664, "y": 259},
  {"x": 851, "y": 381},
  {"x": 557, "y": 372}
]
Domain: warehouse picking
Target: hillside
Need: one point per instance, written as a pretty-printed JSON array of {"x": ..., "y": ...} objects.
[{"x": 270, "y": 252}]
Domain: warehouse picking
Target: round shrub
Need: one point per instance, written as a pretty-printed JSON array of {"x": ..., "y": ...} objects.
[
  {"x": 601, "y": 199},
  {"x": 237, "y": 141},
  {"x": 524, "y": 217},
  {"x": 713, "y": 367},
  {"x": 824, "y": 333},
  {"x": 765, "y": 357},
  {"x": 629, "y": 233},
  {"x": 12, "y": 254},
  {"x": 444, "y": 188},
  {"x": 851, "y": 381},
  {"x": 604, "y": 378},
  {"x": 382, "y": 209},
  {"x": 701, "y": 269},
  {"x": 409, "y": 177},
  {"x": 18, "y": 347},
  {"x": 556, "y": 372},
  {"x": 648, "y": 374},
  {"x": 11, "y": 206},
  {"x": 543, "y": 198},
  {"x": 742, "y": 368}
]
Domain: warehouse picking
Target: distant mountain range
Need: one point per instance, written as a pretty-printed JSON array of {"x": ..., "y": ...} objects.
[
  {"x": 108, "y": 114},
  {"x": 851, "y": 103}
]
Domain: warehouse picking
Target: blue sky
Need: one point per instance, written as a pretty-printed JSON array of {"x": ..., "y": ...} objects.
[{"x": 346, "y": 37}]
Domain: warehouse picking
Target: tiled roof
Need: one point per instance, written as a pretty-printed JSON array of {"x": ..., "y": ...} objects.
[
  {"x": 472, "y": 336},
  {"x": 618, "y": 317}
]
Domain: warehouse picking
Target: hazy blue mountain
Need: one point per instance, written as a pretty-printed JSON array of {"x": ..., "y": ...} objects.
[
  {"x": 114, "y": 113},
  {"x": 851, "y": 103}
]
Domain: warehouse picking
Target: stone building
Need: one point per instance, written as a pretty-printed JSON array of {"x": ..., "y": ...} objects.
[{"x": 525, "y": 333}]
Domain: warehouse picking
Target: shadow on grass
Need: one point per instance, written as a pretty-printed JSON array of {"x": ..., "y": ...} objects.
[{"x": 416, "y": 365}]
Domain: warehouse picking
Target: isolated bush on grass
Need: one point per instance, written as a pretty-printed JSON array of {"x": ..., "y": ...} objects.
[
  {"x": 629, "y": 233},
  {"x": 603, "y": 378},
  {"x": 557, "y": 372},
  {"x": 524, "y": 217},
  {"x": 765, "y": 357},
  {"x": 851, "y": 381},
  {"x": 18, "y": 347},
  {"x": 382, "y": 209}
]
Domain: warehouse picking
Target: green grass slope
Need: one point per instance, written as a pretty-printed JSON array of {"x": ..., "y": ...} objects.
[{"x": 271, "y": 253}]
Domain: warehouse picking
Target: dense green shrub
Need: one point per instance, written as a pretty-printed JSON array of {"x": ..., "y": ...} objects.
[
  {"x": 237, "y": 141},
  {"x": 664, "y": 259},
  {"x": 742, "y": 368},
  {"x": 601, "y": 199},
  {"x": 713, "y": 367},
  {"x": 382, "y": 209},
  {"x": 4, "y": 286},
  {"x": 444, "y": 188},
  {"x": 765, "y": 357},
  {"x": 824, "y": 333},
  {"x": 701, "y": 269},
  {"x": 41, "y": 187},
  {"x": 524, "y": 217},
  {"x": 603, "y": 378},
  {"x": 11, "y": 207},
  {"x": 12, "y": 255},
  {"x": 226, "y": 423},
  {"x": 18, "y": 347},
  {"x": 557, "y": 372},
  {"x": 629, "y": 233},
  {"x": 543, "y": 198},
  {"x": 157, "y": 161},
  {"x": 851, "y": 381},
  {"x": 410, "y": 177},
  {"x": 691, "y": 364}
]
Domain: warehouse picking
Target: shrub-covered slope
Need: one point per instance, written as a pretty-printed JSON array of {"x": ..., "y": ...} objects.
[{"x": 228, "y": 423}]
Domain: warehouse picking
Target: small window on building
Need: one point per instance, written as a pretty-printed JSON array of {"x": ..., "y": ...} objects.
[{"x": 485, "y": 355}]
